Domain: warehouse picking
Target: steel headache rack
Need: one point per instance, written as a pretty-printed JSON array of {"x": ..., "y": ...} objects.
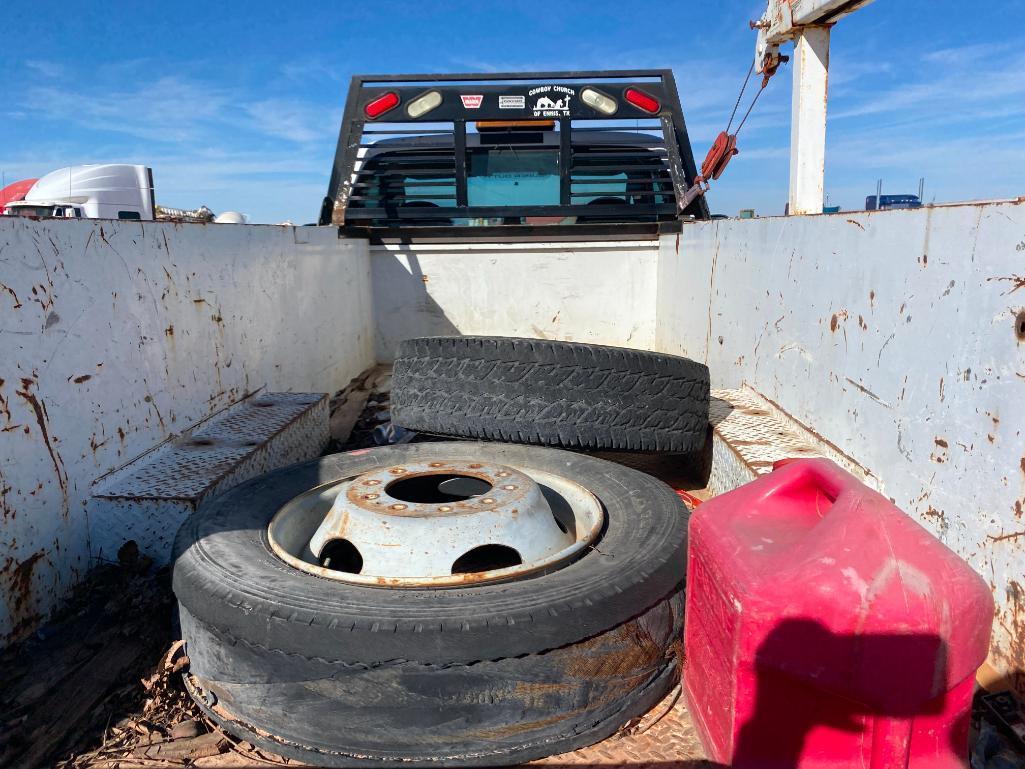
[{"x": 512, "y": 150}]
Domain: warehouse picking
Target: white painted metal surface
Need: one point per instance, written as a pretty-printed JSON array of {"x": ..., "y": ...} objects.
[
  {"x": 898, "y": 336},
  {"x": 116, "y": 335},
  {"x": 147, "y": 500},
  {"x": 808, "y": 121},
  {"x": 585, "y": 292}
]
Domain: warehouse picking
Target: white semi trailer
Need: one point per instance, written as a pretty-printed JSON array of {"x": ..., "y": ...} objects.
[{"x": 98, "y": 191}]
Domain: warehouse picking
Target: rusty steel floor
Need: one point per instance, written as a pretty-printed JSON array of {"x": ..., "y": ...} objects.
[{"x": 662, "y": 739}]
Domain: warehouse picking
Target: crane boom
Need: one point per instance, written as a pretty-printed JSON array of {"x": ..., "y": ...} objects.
[
  {"x": 783, "y": 20},
  {"x": 807, "y": 24}
]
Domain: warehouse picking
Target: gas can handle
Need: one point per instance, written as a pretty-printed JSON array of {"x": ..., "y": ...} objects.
[{"x": 829, "y": 477}]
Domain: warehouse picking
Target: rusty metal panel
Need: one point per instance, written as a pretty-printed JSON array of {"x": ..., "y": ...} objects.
[
  {"x": 147, "y": 500},
  {"x": 664, "y": 737},
  {"x": 899, "y": 337},
  {"x": 116, "y": 335}
]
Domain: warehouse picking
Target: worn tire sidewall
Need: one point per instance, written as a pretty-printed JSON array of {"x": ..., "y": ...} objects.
[{"x": 226, "y": 575}]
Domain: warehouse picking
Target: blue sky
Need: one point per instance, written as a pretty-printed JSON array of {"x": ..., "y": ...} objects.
[{"x": 238, "y": 107}]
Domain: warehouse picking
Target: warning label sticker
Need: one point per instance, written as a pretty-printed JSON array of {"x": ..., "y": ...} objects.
[{"x": 512, "y": 102}]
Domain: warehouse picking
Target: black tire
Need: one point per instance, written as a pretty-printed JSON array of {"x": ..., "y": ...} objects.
[
  {"x": 576, "y": 396},
  {"x": 494, "y": 674}
]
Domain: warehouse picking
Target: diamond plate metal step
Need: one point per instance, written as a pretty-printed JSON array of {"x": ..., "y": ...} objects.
[
  {"x": 750, "y": 433},
  {"x": 147, "y": 499}
]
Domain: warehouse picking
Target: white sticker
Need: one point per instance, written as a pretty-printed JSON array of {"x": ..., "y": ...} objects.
[
  {"x": 471, "y": 101},
  {"x": 552, "y": 100},
  {"x": 512, "y": 102}
]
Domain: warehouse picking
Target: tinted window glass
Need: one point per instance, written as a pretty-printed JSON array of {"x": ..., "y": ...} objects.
[{"x": 505, "y": 176}]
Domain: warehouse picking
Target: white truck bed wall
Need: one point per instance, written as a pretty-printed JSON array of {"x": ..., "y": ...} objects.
[
  {"x": 896, "y": 336},
  {"x": 114, "y": 335},
  {"x": 891, "y": 334},
  {"x": 601, "y": 293}
]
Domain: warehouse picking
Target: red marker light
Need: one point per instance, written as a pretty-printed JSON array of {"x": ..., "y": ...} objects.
[
  {"x": 642, "y": 101},
  {"x": 382, "y": 104}
]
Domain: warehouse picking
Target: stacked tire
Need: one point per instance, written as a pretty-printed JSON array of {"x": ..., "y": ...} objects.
[
  {"x": 564, "y": 394},
  {"x": 332, "y": 673}
]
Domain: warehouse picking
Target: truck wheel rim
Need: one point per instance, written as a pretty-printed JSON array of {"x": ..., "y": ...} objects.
[{"x": 437, "y": 524}]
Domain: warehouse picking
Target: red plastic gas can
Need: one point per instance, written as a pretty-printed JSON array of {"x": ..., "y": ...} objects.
[{"x": 825, "y": 628}]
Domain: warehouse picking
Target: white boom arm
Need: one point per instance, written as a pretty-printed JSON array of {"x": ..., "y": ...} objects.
[
  {"x": 807, "y": 24},
  {"x": 783, "y": 20}
]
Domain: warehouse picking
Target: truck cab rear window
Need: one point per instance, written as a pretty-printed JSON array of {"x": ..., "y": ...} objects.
[{"x": 513, "y": 177}]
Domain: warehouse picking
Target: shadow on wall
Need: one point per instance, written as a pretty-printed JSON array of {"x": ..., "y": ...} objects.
[
  {"x": 825, "y": 699},
  {"x": 403, "y": 305}
]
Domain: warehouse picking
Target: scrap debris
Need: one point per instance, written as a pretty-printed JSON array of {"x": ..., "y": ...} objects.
[
  {"x": 358, "y": 408},
  {"x": 169, "y": 731}
]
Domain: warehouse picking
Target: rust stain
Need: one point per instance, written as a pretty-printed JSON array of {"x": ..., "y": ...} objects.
[
  {"x": 17, "y": 577},
  {"x": 936, "y": 515},
  {"x": 5, "y": 507},
  {"x": 1005, "y": 537},
  {"x": 637, "y": 651},
  {"x": 9, "y": 290},
  {"x": 169, "y": 331},
  {"x": 5, "y": 409},
  {"x": 83, "y": 378},
  {"x": 834, "y": 323},
  {"x": 521, "y": 727},
  {"x": 857, "y": 224},
  {"x": 1012, "y": 620},
  {"x": 942, "y": 443},
  {"x": 1016, "y": 281},
  {"x": 42, "y": 420}
]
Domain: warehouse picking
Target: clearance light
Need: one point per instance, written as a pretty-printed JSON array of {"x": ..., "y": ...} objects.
[
  {"x": 599, "y": 101},
  {"x": 382, "y": 104},
  {"x": 421, "y": 105},
  {"x": 642, "y": 101},
  {"x": 501, "y": 125}
]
